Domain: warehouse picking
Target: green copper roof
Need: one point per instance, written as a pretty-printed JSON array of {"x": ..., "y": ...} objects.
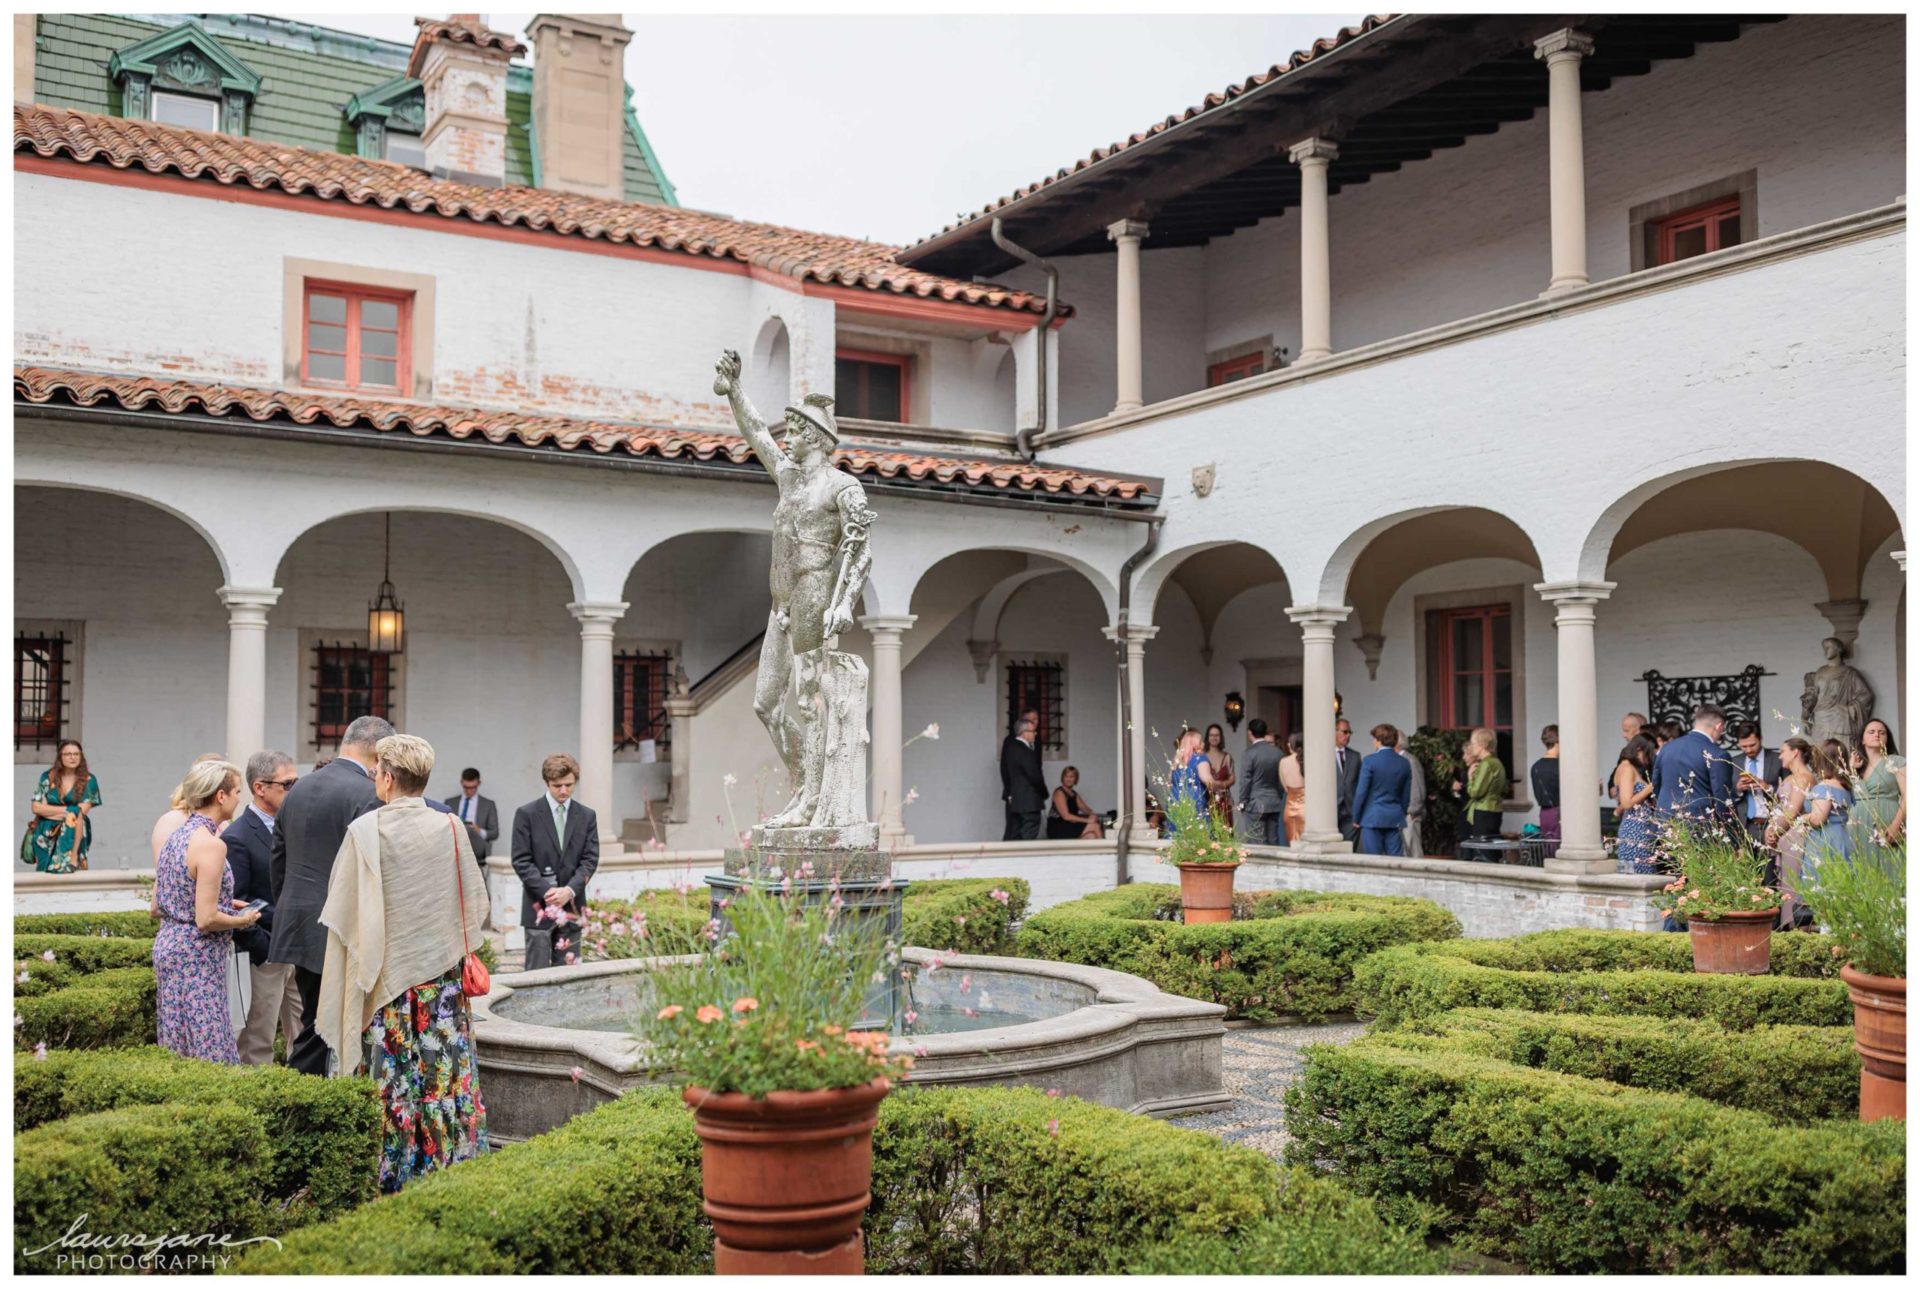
[{"x": 307, "y": 75}]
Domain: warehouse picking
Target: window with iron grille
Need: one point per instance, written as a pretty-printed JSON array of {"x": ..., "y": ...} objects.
[
  {"x": 41, "y": 689},
  {"x": 349, "y": 681},
  {"x": 640, "y": 687},
  {"x": 1039, "y": 686}
]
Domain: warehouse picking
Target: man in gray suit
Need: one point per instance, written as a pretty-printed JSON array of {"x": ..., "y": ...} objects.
[
  {"x": 1261, "y": 799},
  {"x": 306, "y": 836},
  {"x": 1416, "y": 801}
]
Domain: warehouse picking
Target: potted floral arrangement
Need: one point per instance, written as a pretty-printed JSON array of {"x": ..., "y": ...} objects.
[
  {"x": 1861, "y": 901},
  {"x": 1207, "y": 853},
  {"x": 759, "y": 1026},
  {"x": 1722, "y": 895}
]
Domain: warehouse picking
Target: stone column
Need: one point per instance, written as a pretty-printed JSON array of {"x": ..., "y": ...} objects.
[
  {"x": 247, "y": 668},
  {"x": 1562, "y": 52},
  {"x": 1581, "y": 850},
  {"x": 1127, "y": 235},
  {"x": 1132, "y": 797},
  {"x": 1313, "y": 156},
  {"x": 1317, "y": 623},
  {"x": 889, "y": 740},
  {"x": 596, "y": 713}
]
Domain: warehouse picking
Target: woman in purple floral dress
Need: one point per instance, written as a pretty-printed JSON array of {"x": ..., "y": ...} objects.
[{"x": 193, "y": 898}]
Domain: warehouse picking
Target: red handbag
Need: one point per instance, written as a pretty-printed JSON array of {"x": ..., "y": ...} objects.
[{"x": 475, "y": 980}]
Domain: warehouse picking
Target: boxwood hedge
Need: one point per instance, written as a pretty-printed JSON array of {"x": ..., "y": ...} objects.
[
  {"x": 1293, "y": 954},
  {"x": 87, "y": 953},
  {"x": 961, "y": 914},
  {"x": 1602, "y": 972},
  {"x": 965, "y": 1180},
  {"x": 1564, "y": 1173},
  {"x": 132, "y": 924},
  {"x": 323, "y": 1134},
  {"x": 111, "y": 1008}
]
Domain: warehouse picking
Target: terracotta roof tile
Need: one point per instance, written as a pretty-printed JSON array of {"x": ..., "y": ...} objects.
[
  {"x": 261, "y": 164},
  {"x": 1300, "y": 58},
  {"x": 41, "y": 385},
  {"x": 461, "y": 29}
]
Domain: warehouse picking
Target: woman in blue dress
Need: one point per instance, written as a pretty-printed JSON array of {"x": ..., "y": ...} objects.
[
  {"x": 1829, "y": 806},
  {"x": 1191, "y": 779},
  {"x": 1638, "y": 843},
  {"x": 58, "y": 837}
]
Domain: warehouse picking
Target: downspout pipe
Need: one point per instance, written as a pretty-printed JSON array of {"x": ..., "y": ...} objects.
[
  {"x": 1123, "y": 834},
  {"x": 1023, "y": 439}
]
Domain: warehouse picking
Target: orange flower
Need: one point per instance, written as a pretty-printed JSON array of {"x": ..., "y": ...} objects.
[
  {"x": 670, "y": 1011},
  {"x": 745, "y": 1004},
  {"x": 806, "y": 1044},
  {"x": 831, "y": 1031},
  {"x": 708, "y": 1014}
]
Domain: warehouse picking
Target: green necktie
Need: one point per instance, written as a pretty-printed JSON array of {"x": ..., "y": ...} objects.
[{"x": 560, "y": 824}]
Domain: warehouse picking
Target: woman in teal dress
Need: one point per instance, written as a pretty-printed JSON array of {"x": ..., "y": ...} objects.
[
  {"x": 1881, "y": 779},
  {"x": 58, "y": 837}
]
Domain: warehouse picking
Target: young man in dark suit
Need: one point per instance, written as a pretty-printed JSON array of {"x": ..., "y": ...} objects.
[
  {"x": 1346, "y": 766},
  {"x": 556, "y": 848},
  {"x": 478, "y": 813},
  {"x": 306, "y": 836},
  {"x": 1757, "y": 774},
  {"x": 273, "y": 996}
]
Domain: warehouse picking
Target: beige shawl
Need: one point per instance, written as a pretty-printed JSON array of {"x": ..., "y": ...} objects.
[{"x": 392, "y": 916}]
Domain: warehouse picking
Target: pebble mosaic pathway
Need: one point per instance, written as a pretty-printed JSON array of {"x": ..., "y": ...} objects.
[{"x": 1259, "y": 1064}]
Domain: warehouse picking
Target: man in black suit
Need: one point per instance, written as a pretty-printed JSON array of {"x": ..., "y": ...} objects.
[
  {"x": 1757, "y": 778},
  {"x": 1262, "y": 799},
  {"x": 1346, "y": 764},
  {"x": 1026, "y": 783},
  {"x": 306, "y": 836},
  {"x": 1008, "y": 749},
  {"x": 478, "y": 813},
  {"x": 556, "y": 848},
  {"x": 249, "y": 839}
]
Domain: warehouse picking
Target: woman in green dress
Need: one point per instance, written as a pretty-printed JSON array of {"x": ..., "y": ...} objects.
[
  {"x": 1881, "y": 781},
  {"x": 58, "y": 837},
  {"x": 1486, "y": 786}
]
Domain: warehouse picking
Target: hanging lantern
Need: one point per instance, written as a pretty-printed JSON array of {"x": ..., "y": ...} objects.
[
  {"x": 386, "y": 620},
  {"x": 1236, "y": 709}
]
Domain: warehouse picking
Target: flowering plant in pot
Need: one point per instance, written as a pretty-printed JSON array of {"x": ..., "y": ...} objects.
[
  {"x": 1206, "y": 851},
  {"x": 759, "y": 1025},
  {"x": 1721, "y": 894},
  {"x": 1860, "y": 899}
]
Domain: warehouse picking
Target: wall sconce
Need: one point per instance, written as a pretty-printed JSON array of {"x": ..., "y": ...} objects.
[
  {"x": 1338, "y": 703},
  {"x": 1236, "y": 708}
]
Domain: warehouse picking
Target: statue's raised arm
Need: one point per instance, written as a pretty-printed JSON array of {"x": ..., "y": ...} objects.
[{"x": 726, "y": 383}]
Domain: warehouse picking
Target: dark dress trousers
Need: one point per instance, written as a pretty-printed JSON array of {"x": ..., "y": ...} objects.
[
  {"x": 542, "y": 863},
  {"x": 306, "y": 836},
  {"x": 250, "y": 856},
  {"x": 1026, "y": 789},
  {"x": 486, "y": 823}
]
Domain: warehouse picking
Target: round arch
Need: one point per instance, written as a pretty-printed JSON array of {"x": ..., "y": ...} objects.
[
  {"x": 559, "y": 552},
  {"x": 200, "y": 529},
  {"x": 1399, "y": 550},
  {"x": 966, "y": 575}
]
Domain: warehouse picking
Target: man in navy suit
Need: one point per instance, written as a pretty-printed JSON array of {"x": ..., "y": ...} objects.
[
  {"x": 1380, "y": 796},
  {"x": 1693, "y": 775},
  {"x": 249, "y": 841}
]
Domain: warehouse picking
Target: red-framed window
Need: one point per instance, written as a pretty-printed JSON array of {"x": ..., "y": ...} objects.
[
  {"x": 871, "y": 386},
  {"x": 640, "y": 682},
  {"x": 1711, "y": 227},
  {"x": 349, "y": 681},
  {"x": 356, "y": 337},
  {"x": 1476, "y": 672},
  {"x": 1236, "y": 369}
]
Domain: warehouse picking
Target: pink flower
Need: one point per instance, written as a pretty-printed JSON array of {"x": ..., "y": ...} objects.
[
  {"x": 47, "y": 956},
  {"x": 745, "y": 1004},
  {"x": 670, "y": 1011},
  {"x": 23, "y": 977},
  {"x": 1053, "y": 1092},
  {"x": 708, "y": 1014},
  {"x": 40, "y": 1051},
  {"x": 575, "y": 1073},
  {"x": 966, "y": 983},
  {"x": 1053, "y": 1127},
  {"x": 571, "y": 959},
  {"x": 911, "y": 1016},
  {"x": 997, "y": 894}
]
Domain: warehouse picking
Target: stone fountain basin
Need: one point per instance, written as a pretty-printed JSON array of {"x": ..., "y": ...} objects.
[{"x": 1126, "y": 1045}]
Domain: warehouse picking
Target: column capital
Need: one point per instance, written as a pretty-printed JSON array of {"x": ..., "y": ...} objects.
[
  {"x": 1312, "y": 150},
  {"x": 875, "y": 623},
  {"x": 1132, "y": 633},
  {"x": 1134, "y": 228},
  {"x": 1900, "y": 558},
  {"x": 1574, "y": 592},
  {"x": 601, "y": 614},
  {"x": 1563, "y": 44},
  {"x": 1324, "y": 617},
  {"x": 249, "y": 597}
]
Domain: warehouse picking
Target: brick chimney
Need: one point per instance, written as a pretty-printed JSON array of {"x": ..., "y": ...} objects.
[
  {"x": 579, "y": 101},
  {"x": 463, "y": 65}
]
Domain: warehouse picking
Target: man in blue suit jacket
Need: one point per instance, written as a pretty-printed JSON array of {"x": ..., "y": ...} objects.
[
  {"x": 1693, "y": 775},
  {"x": 1380, "y": 797}
]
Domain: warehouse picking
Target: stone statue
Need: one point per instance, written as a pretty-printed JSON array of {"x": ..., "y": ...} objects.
[
  {"x": 1837, "y": 702},
  {"x": 820, "y": 563}
]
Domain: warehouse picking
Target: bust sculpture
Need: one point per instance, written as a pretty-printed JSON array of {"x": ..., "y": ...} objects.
[
  {"x": 1837, "y": 702},
  {"x": 820, "y": 564}
]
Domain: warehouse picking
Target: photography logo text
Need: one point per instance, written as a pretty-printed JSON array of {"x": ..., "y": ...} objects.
[{"x": 79, "y": 1249}]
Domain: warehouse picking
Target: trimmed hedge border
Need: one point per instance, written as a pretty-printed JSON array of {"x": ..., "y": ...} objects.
[
  {"x": 86, "y": 954},
  {"x": 966, "y": 1180},
  {"x": 1295, "y": 956},
  {"x": 185, "y": 1169},
  {"x": 959, "y": 914},
  {"x": 1568, "y": 1174},
  {"x": 323, "y": 1134},
  {"x": 1622, "y": 973},
  {"x": 127, "y": 924},
  {"x": 111, "y": 1008}
]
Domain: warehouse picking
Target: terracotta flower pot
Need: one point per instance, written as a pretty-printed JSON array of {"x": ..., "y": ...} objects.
[
  {"x": 786, "y": 1180},
  {"x": 1206, "y": 892},
  {"x": 1733, "y": 944},
  {"x": 1880, "y": 1036}
]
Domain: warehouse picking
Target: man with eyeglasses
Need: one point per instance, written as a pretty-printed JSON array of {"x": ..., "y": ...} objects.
[{"x": 249, "y": 841}]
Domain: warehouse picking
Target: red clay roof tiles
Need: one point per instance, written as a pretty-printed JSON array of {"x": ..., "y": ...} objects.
[
  {"x": 41, "y": 385},
  {"x": 260, "y": 164},
  {"x": 461, "y": 29}
]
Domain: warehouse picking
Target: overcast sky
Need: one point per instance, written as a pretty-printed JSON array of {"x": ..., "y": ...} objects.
[{"x": 889, "y": 127}]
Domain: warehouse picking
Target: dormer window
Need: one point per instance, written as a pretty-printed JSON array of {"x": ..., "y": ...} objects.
[
  {"x": 183, "y": 76},
  {"x": 389, "y": 121},
  {"x": 182, "y": 109}
]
